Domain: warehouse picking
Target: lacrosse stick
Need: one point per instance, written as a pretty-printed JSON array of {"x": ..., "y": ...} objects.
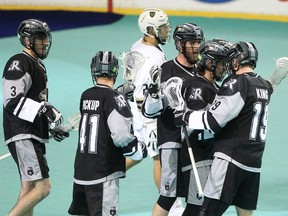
[
  {"x": 5, "y": 156},
  {"x": 172, "y": 90},
  {"x": 132, "y": 61},
  {"x": 73, "y": 125},
  {"x": 280, "y": 72}
]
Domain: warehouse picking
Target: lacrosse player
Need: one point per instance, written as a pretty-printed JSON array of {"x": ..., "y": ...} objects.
[
  {"x": 102, "y": 144},
  {"x": 188, "y": 38},
  {"x": 238, "y": 118},
  {"x": 27, "y": 116},
  {"x": 155, "y": 26},
  {"x": 201, "y": 92}
]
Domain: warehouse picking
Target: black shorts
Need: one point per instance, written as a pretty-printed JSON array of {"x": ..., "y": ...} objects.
[
  {"x": 29, "y": 155},
  {"x": 96, "y": 200},
  {"x": 232, "y": 185}
]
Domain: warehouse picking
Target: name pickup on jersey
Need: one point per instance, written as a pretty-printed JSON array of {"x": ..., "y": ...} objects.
[
  {"x": 262, "y": 93},
  {"x": 90, "y": 104}
]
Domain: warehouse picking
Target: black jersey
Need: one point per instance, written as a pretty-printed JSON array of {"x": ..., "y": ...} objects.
[
  {"x": 24, "y": 84},
  {"x": 105, "y": 128},
  {"x": 239, "y": 117},
  {"x": 169, "y": 136},
  {"x": 199, "y": 96}
]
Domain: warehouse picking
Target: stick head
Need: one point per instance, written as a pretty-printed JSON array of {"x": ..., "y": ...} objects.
[
  {"x": 280, "y": 72},
  {"x": 132, "y": 61},
  {"x": 172, "y": 91}
]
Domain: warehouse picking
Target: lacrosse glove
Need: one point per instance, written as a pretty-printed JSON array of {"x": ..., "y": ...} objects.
[
  {"x": 59, "y": 135},
  {"x": 127, "y": 90},
  {"x": 181, "y": 117},
  {"x": 136, "y": 150},
  {"x": 54, "y": 117},
  {"x": 153, "y": 90}
]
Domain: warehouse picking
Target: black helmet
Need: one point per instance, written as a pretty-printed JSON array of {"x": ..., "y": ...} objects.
[
  {"x": 33, "y": 28},
  {"x": 104, "y": 64},
  {"x": 216, "y": 53},
  {"x": 188, "y": 31},
  {"x": 245, "y": 52}
]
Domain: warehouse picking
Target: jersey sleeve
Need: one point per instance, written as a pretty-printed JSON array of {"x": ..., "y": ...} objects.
[
  {"x": 16, "y": 83},
  {"x": 227, "y": 105},
  {"x": 120, "y": 121}
]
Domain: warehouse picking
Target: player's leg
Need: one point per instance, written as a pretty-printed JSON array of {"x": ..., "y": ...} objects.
[
  {"x": 29, "y": 156},
  {"x": 31, "y": 194},
  {"x": 193, "y": 206},
  {"x": 243, "y": 212},
  {"x": 163, "y": 205},
  {"x": 246, "y": 197},
  {"x": 213, "y": 207},
  {"x": 157, "y": 170},
  {"x": 168, "y": 187}
]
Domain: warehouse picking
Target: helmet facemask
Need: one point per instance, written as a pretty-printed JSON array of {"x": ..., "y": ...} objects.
[{"x": 41, "y": 45}]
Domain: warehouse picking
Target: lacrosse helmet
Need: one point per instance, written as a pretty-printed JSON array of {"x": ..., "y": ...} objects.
[
  {"x": 213, "y": 57},
  {"x": 187, "y": 32},
  {"x": 35, "y": 29},
  {"x": 157, "y": 20},
  {"x": 245, "y": 53},
  {"x": 104, "y": 64}
]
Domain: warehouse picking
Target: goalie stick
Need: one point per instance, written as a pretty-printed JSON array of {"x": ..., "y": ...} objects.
[
  {"x": 280, "y": 72},
  {"x": 172, "y": 90}
]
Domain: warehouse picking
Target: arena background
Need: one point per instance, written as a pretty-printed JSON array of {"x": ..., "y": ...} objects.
[{"x": 81, "y": 28}]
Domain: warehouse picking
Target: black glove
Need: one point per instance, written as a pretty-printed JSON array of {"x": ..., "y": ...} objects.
[
  {"x": 181, "y": 117},
  {"x": 153, "y": 90},
  {"x": 53, "y": 115},
  {"x": 59, "y": 135},
  {"x": 127, "y": 90}
]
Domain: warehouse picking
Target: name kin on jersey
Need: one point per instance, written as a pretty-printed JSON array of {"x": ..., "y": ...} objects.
[
  {"x": 90, "y": 104},
  {"x": 262, "y": 93}
]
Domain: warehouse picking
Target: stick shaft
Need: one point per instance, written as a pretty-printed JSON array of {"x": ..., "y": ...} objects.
[
  {"x": 198, "y": 184},
  {"x": 5, "y": 156}
]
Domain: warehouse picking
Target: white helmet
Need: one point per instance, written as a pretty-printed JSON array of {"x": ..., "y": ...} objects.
[{"x": 154, "y": 18}]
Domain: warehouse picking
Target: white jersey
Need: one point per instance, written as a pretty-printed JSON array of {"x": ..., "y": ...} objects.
[{"x": 153, "y": 56}]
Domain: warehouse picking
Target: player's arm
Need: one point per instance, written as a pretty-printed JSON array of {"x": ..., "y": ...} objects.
[
  {"x": 120, "y": 124},
  {"x": 16, "y": 84}
]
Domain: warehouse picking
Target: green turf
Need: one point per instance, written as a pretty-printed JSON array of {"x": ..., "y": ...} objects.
[{"x": 68, "y": 68}]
